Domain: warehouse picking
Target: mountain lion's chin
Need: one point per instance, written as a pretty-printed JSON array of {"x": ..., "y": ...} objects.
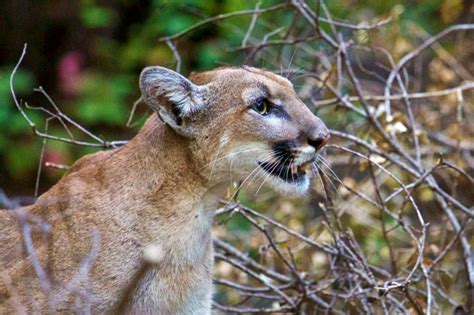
[{"x": 295, "y": 188}]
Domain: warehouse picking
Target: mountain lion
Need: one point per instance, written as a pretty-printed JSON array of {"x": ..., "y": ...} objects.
[{"x": 140, "y": 216}]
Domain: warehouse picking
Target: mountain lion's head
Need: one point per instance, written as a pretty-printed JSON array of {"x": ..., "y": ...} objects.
[{"x": 242, "y": 123}]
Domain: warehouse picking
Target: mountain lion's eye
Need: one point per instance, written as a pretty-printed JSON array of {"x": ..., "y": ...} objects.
[{"x": 261, "y": 106}]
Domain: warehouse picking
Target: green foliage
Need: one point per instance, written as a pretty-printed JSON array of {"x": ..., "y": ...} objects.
[
  {"x": 17, "y": 155},
  {"x": 104, "y": 99},
  {"x": 94, "y": 16},
  {"x": 21, "y": 159},
  {"x": 10, "y": 120}
]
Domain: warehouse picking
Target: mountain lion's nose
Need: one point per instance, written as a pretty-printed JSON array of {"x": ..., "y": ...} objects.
[{"x": 318, "y": 140}]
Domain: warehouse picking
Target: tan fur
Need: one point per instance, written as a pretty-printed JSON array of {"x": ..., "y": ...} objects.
[{"x": 160, "y": 189}]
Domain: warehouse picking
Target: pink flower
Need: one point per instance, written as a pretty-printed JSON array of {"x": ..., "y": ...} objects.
[{"x": 69, "y": 72}]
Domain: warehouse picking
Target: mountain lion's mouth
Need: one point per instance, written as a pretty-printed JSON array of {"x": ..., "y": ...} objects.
[{"x": 289, "y": 172}]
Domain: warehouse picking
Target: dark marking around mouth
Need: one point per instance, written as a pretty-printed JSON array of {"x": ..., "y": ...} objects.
[
  {"x": 284, "y": 149},
  {"x": 282, "y": 166},
  {"x": 283, "y": 171}
]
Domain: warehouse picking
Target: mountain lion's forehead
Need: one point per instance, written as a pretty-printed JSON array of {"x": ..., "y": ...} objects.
[{"x": 248, "y": 74}]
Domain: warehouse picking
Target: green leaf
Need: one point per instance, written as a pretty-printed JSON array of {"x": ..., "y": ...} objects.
[
  {"x": 104, "y": 99},
  {"x": 95, "y": 16}
]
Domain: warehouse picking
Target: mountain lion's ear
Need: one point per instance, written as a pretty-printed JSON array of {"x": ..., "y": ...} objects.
[{"x": 171, "y": 95}]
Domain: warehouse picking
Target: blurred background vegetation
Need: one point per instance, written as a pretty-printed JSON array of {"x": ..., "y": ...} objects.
[{"x": 88, "y": 54}]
